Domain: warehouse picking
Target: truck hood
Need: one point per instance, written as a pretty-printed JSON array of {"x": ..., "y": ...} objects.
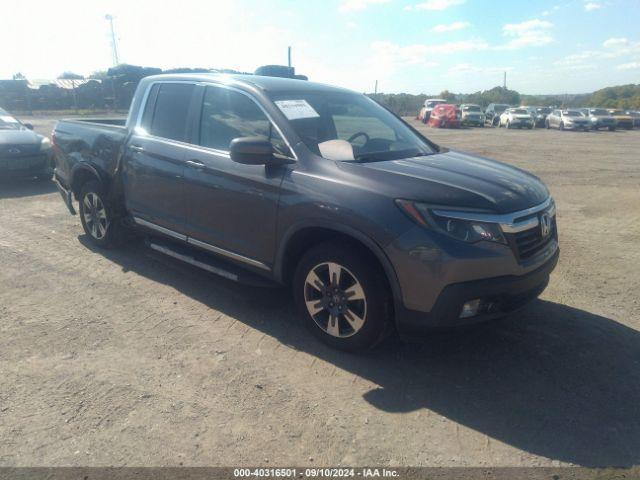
[
  {"x": 18, "y": 137},
  {"x": 455, "y": 179}
]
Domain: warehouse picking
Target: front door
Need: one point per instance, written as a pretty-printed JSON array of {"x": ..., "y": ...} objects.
[{"x": 232, "y": 208}]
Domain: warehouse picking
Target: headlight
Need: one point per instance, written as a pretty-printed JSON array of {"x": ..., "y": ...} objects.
[
  {"x": 45, "y": 144},
  {"x": 470, "y": 231}
]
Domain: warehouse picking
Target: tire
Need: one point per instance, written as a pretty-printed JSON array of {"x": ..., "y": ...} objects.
[
  {"x": 561, "y": 127},
  {"x": 368, "y": 318},
  {"x": 96, "y": 215},
  {"x": 612, "y": 129},
  {"x": 508, "y": 125},
  {"x": 547, "y": 125}
]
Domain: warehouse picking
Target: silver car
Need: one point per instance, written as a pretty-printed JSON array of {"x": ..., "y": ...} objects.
[
  {"x": 568, "y": 120},
  {"x": 599, "y": 118}
]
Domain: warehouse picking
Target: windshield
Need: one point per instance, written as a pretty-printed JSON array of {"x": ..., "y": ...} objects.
[
  {"x": 618, "y": 112},
  {"x": 433, "y": 103},
  {"x": 471, "y": 108},
  {"x": 7, "y": 122},
  {"x": 348, "y": 126},
  {"x": 500, "y": 108},
  {"x": 599, "y": 111},
  {"x": 572, "y": 113},
  {"x": 545, "y": 110},
  {"x": 520, "y": 111}
]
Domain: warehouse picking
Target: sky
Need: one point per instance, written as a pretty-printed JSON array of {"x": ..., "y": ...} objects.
[{"x": 412, "y": 46}]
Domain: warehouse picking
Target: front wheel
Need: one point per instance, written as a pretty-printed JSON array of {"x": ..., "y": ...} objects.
[
  {"x": 561, "y": 126},
  {"x": 342, "y": 298},
  {"x": 97, "y": 216}
]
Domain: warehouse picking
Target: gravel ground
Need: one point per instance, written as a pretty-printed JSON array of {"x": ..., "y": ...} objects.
[{"x": 128, "y": 358}]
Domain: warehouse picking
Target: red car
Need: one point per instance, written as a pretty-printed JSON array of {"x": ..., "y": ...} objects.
[{"x": 445, "y": 116}]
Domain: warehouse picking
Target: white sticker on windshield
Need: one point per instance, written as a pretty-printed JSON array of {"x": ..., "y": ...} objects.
[
  {"x": 296, "y": 109},
  {"x": 8, "y": 119}
]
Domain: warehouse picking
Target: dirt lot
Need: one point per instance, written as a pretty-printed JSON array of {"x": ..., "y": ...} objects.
[{"x": 128, "y": 358}]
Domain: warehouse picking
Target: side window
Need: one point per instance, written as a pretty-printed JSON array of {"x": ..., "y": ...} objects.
[
  {"x": 149, "y": 107},
  {"x": 171, "y": 108},
  {"x": 227, "y": 114}
]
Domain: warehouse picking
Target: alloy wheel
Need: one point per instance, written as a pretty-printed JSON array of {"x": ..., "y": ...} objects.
[
  {"x": 95, "y": 216},
  {"x": 335, "y": 299}
]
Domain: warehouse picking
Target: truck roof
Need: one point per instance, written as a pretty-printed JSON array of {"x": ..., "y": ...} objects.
[{"x": 267, "y": 84}]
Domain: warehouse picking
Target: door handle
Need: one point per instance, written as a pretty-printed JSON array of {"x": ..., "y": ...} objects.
[
  {"x": 195, "y": 164},
  {"x": 136, "y": 148}
]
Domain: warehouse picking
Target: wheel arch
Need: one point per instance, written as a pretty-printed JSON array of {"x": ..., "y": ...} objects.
[
  {"x": 81, "y": 173},
  {"x": 298, "y": 239}
]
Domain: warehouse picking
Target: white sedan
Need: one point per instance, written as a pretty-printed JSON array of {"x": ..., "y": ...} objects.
[{"x": 516, "y": 117}]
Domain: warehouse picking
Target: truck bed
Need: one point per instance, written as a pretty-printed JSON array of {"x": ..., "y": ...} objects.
[{"x": 96, "y": 142}]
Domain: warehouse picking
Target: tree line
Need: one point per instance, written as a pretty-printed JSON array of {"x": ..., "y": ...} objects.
[
  {"x": 625, "y": 97},
  {"x": 113, "y": 89}
]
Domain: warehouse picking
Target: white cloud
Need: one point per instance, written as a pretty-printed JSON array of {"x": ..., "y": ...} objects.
[
  {"x": 435, "y": 5},
  {"x": 450, "y": 27},
  {"x": 615, "y": 42},
  {"x": 357, "y": 5},
  {"x": 591, "y": 6},
  {"x": 532, "y": 33},
  {"x": 629, "y": 66}
]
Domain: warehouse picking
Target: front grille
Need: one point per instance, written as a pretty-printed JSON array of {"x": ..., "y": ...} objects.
[{"x": 528, "y": 243}]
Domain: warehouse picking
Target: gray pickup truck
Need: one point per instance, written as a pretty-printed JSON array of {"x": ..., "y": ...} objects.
[{"x": 269, "y": 180}]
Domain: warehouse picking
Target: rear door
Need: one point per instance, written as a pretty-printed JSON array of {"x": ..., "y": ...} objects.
[
  {"x": 154, "y": 163},
  {"x": 232, "y": 208}
]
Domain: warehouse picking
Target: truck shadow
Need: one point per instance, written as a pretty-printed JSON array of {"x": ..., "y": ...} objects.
[
  {"x": 555, "y": 381},
  {"x": 28, "y": 187}
]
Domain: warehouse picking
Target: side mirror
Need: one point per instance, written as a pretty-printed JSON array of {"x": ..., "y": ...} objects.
[
  {"x": 253, "y": 151},
  {"x": 28, "y": 126}
]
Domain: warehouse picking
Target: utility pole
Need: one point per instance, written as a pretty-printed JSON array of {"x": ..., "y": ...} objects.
[
  {"x": 114, "y": 42},
  {"x": 289, "y": 57},
  {"x": 375, "y": 89},
  {"x": 505, "y": 80}
]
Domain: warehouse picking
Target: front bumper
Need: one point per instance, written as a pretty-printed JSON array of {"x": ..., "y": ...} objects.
[
  {"x": 504, "y": 294},
  {"x": 577, "y": 126},
  {"x": 25, "y": 166}
]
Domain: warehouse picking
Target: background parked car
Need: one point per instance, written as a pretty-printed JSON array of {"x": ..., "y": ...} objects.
[
  {"x": 23, "y": 153},
  {"x": 568, "y": 120},
  {"x": 445, "y": 116},
  {"x": 516, "y": 118},
  {"x": 472, "y": 115},
  {"x": 539, "y": 114},
  {"x": 492, "y": 113},
  {"x": 635, "y": 116},
  {"x": 623, "y": 120},
  {"x": 599, "y": 118},
  {"x": 427, "y": 108}
]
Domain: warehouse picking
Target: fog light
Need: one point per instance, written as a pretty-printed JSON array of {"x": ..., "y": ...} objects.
[{"x": 470, "y": 308}]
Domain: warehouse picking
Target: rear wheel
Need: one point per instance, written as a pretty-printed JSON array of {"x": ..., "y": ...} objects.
[
  {"x": 561, "y": 126},
  {"x": 97, "y": 216},
  {"x": 342, "y": 298}
]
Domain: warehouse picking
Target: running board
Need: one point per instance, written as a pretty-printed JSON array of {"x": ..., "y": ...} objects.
[{"x": 209, "y": 263}]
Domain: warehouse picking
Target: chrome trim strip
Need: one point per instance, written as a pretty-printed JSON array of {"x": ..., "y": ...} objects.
[
  {"x": 194, "y": 262},
  {"x": 227, "y": 253},
  {"x": 507, "y": 221},
  {"x": 160, "y": 229}
]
